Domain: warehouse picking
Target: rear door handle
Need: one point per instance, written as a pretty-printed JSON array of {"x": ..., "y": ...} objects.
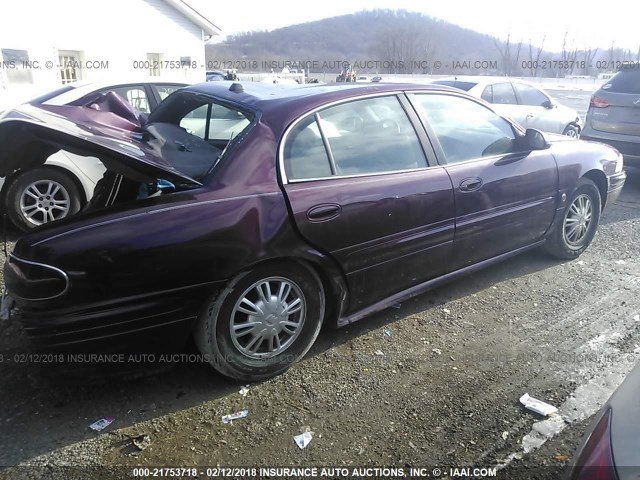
[
  {"x": 470, "y": 184},
  {"x": 323, "y": 212}
]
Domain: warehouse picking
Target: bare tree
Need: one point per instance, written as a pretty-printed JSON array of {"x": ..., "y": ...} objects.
[
  {"x": 535, "y": 60},
  {"x": 505, "y": 53}
]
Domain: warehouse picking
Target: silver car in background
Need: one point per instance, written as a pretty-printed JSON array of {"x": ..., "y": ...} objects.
[
  {"x": 614, "y": 114},
  {"x": 523, "y": 102}
]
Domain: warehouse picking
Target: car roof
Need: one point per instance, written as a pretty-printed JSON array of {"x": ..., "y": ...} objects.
[
  {"x": 484, "y": 80},
  {"x": 265, "y": 96}
]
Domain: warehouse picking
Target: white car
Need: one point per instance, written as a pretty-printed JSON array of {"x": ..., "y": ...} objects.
[
  {"x": 65, "y": 183},
  {"x": 523, "y": 102}
]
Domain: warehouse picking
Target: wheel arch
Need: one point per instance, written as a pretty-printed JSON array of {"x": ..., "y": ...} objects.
[
  {"x": 329, "y": 278},
  {"x": 600, "y": 179}
]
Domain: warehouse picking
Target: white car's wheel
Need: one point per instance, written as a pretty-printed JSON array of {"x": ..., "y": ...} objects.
[{"x": 40, "y": 196}]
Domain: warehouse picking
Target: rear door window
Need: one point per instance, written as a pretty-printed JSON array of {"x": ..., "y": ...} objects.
[
  {"x": 503, "y": 94},
  {"x": 361, "y": 137}
]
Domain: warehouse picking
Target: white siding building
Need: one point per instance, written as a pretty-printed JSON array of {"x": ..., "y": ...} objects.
[{"x": 45, "y": 44}]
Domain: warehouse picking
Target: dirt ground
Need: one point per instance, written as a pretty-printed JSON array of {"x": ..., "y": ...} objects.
[{"x": 434, "y": 383}]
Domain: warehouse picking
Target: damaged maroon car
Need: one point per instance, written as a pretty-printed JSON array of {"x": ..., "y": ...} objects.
[{"x": 249, "y": 215}]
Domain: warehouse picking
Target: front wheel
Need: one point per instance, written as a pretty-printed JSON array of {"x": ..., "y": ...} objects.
[
  {"x": 262, "y": 322},
  {"x": 571, "y": 131},
  {"x": 40, "y": 196},
  {"x": 577, "y": 226}
]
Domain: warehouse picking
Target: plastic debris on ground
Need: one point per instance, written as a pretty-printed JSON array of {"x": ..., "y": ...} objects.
[
  {"x": 379, "y": 353},
  {"x": 304, "y": 438},
  {"x": 101, "y": 424},
  {"x": 244, "y": 390},
  {"x": 141, "y": 442},
  {"x": 537, "y": 406},
  {"x": 235, "y": 416},
  {"x": 505, "y": 435},
  {"x": 387, "y": 332}
]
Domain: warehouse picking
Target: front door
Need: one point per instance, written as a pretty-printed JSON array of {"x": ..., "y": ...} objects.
[{"x": 505, "y": 197}]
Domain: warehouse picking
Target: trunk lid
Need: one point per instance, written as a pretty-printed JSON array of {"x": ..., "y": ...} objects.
[{"x": 30, "y": 134}]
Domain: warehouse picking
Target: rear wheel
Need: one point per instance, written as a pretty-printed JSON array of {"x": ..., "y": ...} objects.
[
  {"x": 40, "y": 196},
  {"x": 577, "y": 226},
  {"x": 263, "y": 322}
]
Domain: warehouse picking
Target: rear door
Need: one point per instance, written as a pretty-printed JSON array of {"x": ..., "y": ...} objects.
[
  {"x": 360, "y": 189},
  {"x": 504, "y": 101},
  {"x": 505, "y": 198},
  {"x": 616, "y": 108}
]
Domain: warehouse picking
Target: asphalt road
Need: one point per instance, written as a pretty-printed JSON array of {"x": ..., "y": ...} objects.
[{"x": 434, "y": 383}]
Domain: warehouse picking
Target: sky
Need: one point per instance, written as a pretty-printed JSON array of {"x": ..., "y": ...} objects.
[{"x": 589, "y": 24}]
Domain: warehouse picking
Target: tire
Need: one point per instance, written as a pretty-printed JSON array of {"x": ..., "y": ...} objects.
[
  {"x": 250, "y": 355},
  {"x": 571, "y": 131},
  {"x": 565, "y": 242},
  {"x": 24, "y": 208}
]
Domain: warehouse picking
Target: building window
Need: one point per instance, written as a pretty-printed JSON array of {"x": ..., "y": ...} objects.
[
  {"x": 16, "y": 64},
  {"x": 154, "y": 64},
  {"x": 70, "y": 67}
]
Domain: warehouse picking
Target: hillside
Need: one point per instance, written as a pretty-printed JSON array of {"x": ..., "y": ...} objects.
[{"x": 397, "y": 41}]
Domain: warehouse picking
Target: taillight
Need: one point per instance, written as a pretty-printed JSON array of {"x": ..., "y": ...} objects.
[
  {"x": 598, "y": 102},
  {"x": 595, "y": 462}
]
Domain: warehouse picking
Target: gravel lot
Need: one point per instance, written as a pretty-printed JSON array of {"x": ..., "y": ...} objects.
[{"x": 433, "y": 383}]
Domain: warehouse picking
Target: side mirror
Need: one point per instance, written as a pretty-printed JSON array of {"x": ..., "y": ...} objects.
[
  {"x": 548, "y": 104},
  {"x": 534, "y": 140}
]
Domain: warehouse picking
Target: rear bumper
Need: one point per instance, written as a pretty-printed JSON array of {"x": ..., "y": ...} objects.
[{"x": 147, "y": 323}]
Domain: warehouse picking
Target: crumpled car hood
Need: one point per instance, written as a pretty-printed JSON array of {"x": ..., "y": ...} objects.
[{"x": 30, "y": 134}]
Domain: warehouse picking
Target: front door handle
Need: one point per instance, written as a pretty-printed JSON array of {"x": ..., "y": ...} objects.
[
  {"x": 323, "y": 212},
  {"x": 470, "y": 184}
]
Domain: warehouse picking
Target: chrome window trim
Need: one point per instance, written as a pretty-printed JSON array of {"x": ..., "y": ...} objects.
[
  {"x": 283, "y": 141},
  {"x": 43, "y": 265}
]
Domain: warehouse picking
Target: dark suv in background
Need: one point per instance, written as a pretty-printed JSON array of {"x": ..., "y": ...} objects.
[{"x": 614, "y": 114}]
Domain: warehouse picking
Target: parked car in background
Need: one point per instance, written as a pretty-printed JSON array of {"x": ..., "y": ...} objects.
[
  {"x": 215, "y": 76},
  {"x": 609, "y": 450},
  {"x": 362, "y": 78},
  {"x": 65, "y": 183},
  {"x": 614, "y": 113},
  {"x": 331, "y": 203},
  {"x": 523, "y": 102},
  {"x": 376, "y": 79}
]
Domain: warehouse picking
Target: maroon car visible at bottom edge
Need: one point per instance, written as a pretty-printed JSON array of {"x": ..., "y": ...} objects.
[{"x": 247, "y": 215}]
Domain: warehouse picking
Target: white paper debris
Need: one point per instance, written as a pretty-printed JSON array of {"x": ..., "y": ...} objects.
[
  {"x": 304, "y": 438},
  {"x": 101, "y": 424},
  {"x": 505, "y": 435},
  {"x": 379, "y": 353},
  {"x": 636, "y": 318},
  {"x": 537, "y": 406},
  {"x": 235, "y": 416},
  {"x": 244, "y": 390}
]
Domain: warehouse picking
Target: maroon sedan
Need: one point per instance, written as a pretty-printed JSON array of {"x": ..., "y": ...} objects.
[{"x": 247, "y": 215}]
